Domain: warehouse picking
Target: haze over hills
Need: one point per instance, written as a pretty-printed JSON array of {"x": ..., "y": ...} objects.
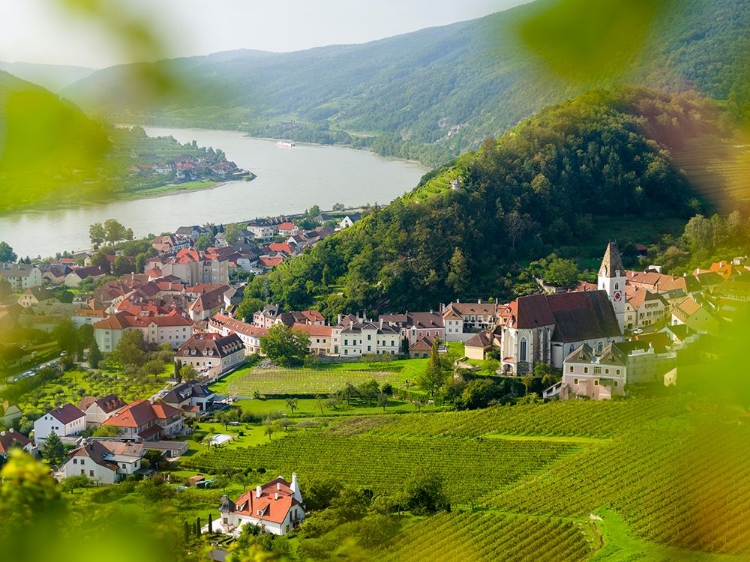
[
  {"x": 429, "y": 95},
  {"x": 51, "y": 76}
]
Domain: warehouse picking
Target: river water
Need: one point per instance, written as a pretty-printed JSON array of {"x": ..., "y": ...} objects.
[{"x": 289, "y": 180}]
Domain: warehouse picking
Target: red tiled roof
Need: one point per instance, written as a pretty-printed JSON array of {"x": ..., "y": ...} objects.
[
  {"x": 7, "y": 438},
  {"x": 314, "y": 330},
  {"x": 274, "y": 503}
]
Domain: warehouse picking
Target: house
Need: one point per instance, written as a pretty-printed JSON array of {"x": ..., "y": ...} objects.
[
  {"x": 172, "y": 328},
  {"x": 597, "y": 376},
  {"x": 98, "y": 410},
  {"x": 35, "y": 296},
  {"x": 276, "y": 507},
  {"x": 142, "y": 420},
  {"x": 11, "y": 438},
  {"x": 87, "y": 316},
  {"x": 9, "y": 413},
  {"x": 416, "y": 325},
  {"x": 288, "y": 229},
  {"x": 104, "y": 462},
  {"x": 248, "y": 333},
  {"x": 356, "y": 339},
  {"x": 264, "y": 230},
  {"x": 21, "y": 276},
  {"x": 320, "y": 337},
  {"x": 55, "y": 273},
  {"x": 349, "y": 220},
  {"x": 191, "y": 393},
  {"x": 65, "y": 421},
  {"x": 192, "y": 232},
  {"x": 694, "y": 316},
  {"x": 478, "y": 346},
  {"x": 421, "y": 348},
  {"x": 212, "y": 353},
  {"x": 208, "y": 303},
  {"x": 647, "y": 307},
  {"x": 80, "y": 274},
  {"x": 474, "y": 315},
  {"x": 266, "y": 317}
]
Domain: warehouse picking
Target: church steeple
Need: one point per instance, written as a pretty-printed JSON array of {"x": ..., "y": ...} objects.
[
  {"x": 612, "y": 280},
  {"x": 612, "y": 262}
]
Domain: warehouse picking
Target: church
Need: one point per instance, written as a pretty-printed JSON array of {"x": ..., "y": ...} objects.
[{"x": 546, "y": 328}]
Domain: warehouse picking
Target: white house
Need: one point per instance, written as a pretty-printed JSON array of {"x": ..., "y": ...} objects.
[
  {"x": 191, "y": 393},
  {"x": 64, "y": 421},
  {"x": 248, "y": 333},
  {"x": 595, "y": 376},
  {"x": 212, "y": 352},
  {"x": 21, "y": 276},
  {"x": 276, "y": 507},
  {"x": 98, "y": 410},
  {"x": 355, "y": 339},
  {"x": 104, "y": 462}
]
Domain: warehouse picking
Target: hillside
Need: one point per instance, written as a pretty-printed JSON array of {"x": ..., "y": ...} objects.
[
  {"x": 554, "y": 183},
  {"x": 50, "y": 76},
  {"x": 431, "y": 95}
]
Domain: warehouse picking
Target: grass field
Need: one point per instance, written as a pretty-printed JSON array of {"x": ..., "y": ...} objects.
[
  {"x": 311, "y": 408},
  {"x": 169, "y": 189},
  {"x": 322, "y": 379}
]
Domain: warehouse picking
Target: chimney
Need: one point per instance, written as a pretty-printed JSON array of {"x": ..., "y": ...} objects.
[
  {"x": 258, "y": 491},
  {"x": 276, "y": 496},
  {"x": 278, "y": 486},
  {"x": 479, "y": 301},
  {"x": 294, "y": 487}
]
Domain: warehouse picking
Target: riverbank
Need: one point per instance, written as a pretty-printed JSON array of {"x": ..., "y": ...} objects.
[{"x": 174, "y": 188}]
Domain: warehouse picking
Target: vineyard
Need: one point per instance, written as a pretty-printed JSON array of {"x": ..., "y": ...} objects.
[
  {"x": 276, "y": 380},
  {"x": 383, "y": 464},
  {"x": 573, "y": 419},
  {"x": 489, "y": 536}
]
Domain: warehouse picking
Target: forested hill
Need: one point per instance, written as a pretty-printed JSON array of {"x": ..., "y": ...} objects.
[
  {"x": 431, "y": 94},
  {"x": 550, "y": 183}
]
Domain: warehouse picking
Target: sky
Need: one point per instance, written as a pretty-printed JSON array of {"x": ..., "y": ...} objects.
[{"x": 41, "y": 31}]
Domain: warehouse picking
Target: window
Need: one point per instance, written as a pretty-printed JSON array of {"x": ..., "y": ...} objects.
[
  {"x": 585, "y": 370},
  {"x": 617, "y": 286},
  {"x": 597, "y": 370},
  {"x": 75, "y": 461},
  {"x": 617, "y": 371},
  {"x": 596, "y": 382},
  {"x": 606, "y": 371},
  {"x": 575, "y": 381},
  {"x": 91, "y": 473},
  {"x": 522, "y": 350},
  {"x": 617, "y": 383},
  {"x": 570, "y": 369},
  {"x": 599, "y": 347}
]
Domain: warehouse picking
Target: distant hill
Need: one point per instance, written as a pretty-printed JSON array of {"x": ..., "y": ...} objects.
[
  {"x": 554, "y": 183},
  {"x": 430, "y": 95},
  {"x": 50, "y": 76}
]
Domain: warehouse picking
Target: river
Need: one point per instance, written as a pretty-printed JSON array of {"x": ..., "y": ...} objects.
[{"x": 289, "y": 180}]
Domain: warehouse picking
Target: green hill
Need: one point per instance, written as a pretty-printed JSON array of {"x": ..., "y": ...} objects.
[
  {"x": 432, "y": 94},
  {"x": 557, "y": 182}
]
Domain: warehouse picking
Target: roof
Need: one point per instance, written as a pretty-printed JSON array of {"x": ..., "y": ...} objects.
[
  {"x": 40, "y": 293},
  {"x": 474, "y": 308},
  {"x": 612, "y": 262},
  {"x": 210, "y": 345},
  {"x": 237, "y": 326},
  {"x": 275, "y": 501},
  {"x": 139, "y": 413},
  {"x": 584, "y": 353},
  {"x": 314, "y": 330},
  {"x": 67, "y": 413},
  {"x": 575, "y": 316},
  {"x": 482, "y": 339},
  {"x": 16, "y": 269},
  {"x": 125, "y": 319},
  {"x": 422, "y": 344},
  {"x": 286, "y": 226},
  {"x": 641, "y": 296},
  {"x": 186, "y": 390},
  {"x": 96, "y": 451},
  {"x": 7, "y": 438}
]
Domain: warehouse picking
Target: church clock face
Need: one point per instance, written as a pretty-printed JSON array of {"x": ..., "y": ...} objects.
[{"x": 617, "y": 296}]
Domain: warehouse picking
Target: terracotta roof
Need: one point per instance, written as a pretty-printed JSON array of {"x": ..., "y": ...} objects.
[
  {"x": 286, "y": 226},
  {"x": 273, "y": 505},
  {"x": 266, "y": 261},
  {"x": 139, "y": 413},
  {"x": 314, "y": 330},
  {"x": 482, "y": 339},
  {"x": 686, "y": 308},
  {"x": 422, "y": 344},
  {"x": 641, "y": 296},
  {"x": 237, "y": 326}
]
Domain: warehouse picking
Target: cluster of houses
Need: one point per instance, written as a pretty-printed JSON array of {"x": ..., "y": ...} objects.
[
  {"x": 187, "y": 167},
  {"x": 137, "y": 427}
]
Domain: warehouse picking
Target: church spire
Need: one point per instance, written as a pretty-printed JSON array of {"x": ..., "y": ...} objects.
[{"x": 612, "y": 263}]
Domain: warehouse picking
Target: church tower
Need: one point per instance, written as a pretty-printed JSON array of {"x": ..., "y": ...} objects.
[{"x": 612, "y": 280}]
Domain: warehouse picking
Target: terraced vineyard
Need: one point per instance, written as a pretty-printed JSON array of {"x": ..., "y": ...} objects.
[
  {"x": 718, "y": 168},
  {"x": 489, "y": 536},
  {"x": 383, "y": 463},
  {"x": 572, "y": 419}
]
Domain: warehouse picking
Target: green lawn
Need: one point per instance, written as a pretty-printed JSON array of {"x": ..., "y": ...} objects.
[
  {"x": 321, "y": 379},
  {"x": 169, "y": 189}
]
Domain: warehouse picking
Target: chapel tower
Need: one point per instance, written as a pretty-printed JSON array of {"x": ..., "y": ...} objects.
[{"x": 612, "y": 279}]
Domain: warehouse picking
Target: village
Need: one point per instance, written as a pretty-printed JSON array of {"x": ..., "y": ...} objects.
[{"x": 595, "y": 341}]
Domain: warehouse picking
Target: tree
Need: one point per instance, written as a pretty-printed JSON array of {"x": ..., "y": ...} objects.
[
  {"x": 458, "y": 274},
  {"x": 66, "y": 336},
  {"x": 424, "y": 493},
  {"x": 95, "y": 355},
  {"x": 86, "y": 335},
  {"x": 7, "y": 255},
  {"x": 114, "y": 231},
  {"x": 383, "y": 400},
  {"x": 131, "y": 350},
  {"x": 338, "y": 207},
  {"x": 188, "y": 372},
  {"x": 291, "y": 403},
  {"x": 153, "y": 367},
  {"x": 369, "y": 390},
  {"x": 203, "y": 242},
  {"x": 97, "y": 234},
  {"x": 561, "y": 273},
  {"x": 228, "y": 416},
  {"x": 122, "y": 266},
  {"x": 285, "y": 346},
  {"x": 232, "y": 234},
  {"x": 433, "y": 378},
  {"x": 491, "y": 365},
  {"x": 53, "y": 449}
]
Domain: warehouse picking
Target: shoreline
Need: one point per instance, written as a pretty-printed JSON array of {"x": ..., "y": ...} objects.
[{"x": 168, "y": 190}]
